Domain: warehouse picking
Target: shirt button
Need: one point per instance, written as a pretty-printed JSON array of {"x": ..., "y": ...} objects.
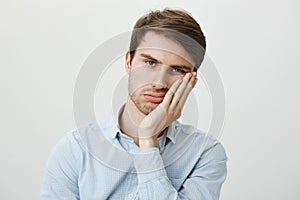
[{"x": 130, "y": 196}]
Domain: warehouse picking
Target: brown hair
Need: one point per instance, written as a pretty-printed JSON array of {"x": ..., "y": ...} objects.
[{"x": 176, "y": 24}]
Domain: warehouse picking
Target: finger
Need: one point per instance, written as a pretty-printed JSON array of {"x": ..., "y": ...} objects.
[
  {"x": 169, "y": 95},
  {"x": 193, "y": 83},
  {"x": 196, "y": 80},
  {"x": 193, "y": 80},
  {"x": 187, "y": 91},
  {"x": 180, "y": 90}
]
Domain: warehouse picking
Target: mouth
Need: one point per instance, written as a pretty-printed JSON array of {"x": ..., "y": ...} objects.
[{"x": 154, "y": 98}]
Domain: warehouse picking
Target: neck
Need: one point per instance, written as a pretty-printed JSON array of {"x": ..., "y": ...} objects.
[{"x": 130, "y": 119}]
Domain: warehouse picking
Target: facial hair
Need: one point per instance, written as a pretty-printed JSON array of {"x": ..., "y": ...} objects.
[{"x": 141, "y": 103}]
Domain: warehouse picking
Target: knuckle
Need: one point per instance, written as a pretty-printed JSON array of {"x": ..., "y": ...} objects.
[{"x": 178, "y": 114}]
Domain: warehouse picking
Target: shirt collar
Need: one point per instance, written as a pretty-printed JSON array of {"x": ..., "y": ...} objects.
[{"x": 172, "y": 131}]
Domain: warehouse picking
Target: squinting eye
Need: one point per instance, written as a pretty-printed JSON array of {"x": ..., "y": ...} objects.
[
  {"x": 178, "y": 70},
  {"x": 150, "y": 62}
]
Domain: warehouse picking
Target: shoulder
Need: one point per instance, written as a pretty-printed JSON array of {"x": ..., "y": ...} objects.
[
  {"x": 66, "y": 150},
  {"x": 201, "y": 141},
  {"x": 74, "y": 144}
]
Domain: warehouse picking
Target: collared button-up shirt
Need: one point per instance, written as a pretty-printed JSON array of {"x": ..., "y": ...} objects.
[{"x": 99, "y": 162}]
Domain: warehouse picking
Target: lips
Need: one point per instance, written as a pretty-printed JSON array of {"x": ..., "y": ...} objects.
[{"x": 154, "y": 98}]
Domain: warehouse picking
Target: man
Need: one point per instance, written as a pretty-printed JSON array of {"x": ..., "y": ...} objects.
[{"x": 146, "y": 153}]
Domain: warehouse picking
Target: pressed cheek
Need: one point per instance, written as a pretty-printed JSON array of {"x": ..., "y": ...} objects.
[{"x": 173, "y": 78}]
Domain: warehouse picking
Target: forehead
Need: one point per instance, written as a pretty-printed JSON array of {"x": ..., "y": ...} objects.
[{"x": 159, "y": 44}]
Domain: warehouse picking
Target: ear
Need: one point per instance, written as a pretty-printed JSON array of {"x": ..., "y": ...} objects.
[{"x": 127, "y": 62}]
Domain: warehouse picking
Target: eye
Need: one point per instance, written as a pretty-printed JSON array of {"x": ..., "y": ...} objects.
[
  {"x": 150, "y": 62},
  {"x": 178, "y": 70}
]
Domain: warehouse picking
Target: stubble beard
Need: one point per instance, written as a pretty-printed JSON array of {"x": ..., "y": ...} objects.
[{"x": 143, "y": 106}]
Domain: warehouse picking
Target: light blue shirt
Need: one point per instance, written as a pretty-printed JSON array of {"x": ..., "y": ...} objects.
[{"x": 187, "y": 164}]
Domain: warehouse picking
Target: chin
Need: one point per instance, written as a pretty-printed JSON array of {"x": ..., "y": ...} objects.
[
  {"x": 143, "y": 105},
  {"x": 148, "y": 107}
]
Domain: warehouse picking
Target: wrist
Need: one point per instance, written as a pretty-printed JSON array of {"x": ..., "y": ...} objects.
[{"x": 147, "y": 143}]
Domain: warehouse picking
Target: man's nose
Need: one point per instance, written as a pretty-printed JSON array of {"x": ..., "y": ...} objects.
[{"x": 161, "y": 77}]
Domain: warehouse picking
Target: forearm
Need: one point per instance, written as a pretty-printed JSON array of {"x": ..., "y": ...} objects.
[
  {"x": 203, "y": 182},
  {"x": 153, "y": 180}
]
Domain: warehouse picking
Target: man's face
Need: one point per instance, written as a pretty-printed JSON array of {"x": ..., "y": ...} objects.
[{"x": 157, "y": 64}]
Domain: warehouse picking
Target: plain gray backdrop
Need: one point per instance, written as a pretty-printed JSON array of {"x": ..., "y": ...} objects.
[{"x": 254, "y": 45}]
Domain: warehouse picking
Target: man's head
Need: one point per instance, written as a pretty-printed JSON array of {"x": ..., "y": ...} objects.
[
  {"x": 165, "y": 45},
  {"x": 177, "y": 25}
]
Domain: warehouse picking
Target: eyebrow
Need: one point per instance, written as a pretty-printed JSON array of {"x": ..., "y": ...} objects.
[
  {"x": 150, "y": 58},
  {"x": 173, "y": 66}
]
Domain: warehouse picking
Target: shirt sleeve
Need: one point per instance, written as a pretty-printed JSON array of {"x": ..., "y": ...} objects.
[
  {"x": 60, "y": 182},
  {"x": 203, "y": 183}
]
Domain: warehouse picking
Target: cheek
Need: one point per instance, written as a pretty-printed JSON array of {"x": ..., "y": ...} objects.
[
  {"x": 139, "y": 77},
  {"x": 172, "y": 78},
  {"x": 136, "y": 81}
]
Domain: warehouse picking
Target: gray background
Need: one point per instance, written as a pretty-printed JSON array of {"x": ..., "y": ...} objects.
[{"x": 254, "y": 45}]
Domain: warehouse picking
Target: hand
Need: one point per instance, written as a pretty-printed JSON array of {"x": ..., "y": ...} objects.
[{"x": 166, "y": 112}]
